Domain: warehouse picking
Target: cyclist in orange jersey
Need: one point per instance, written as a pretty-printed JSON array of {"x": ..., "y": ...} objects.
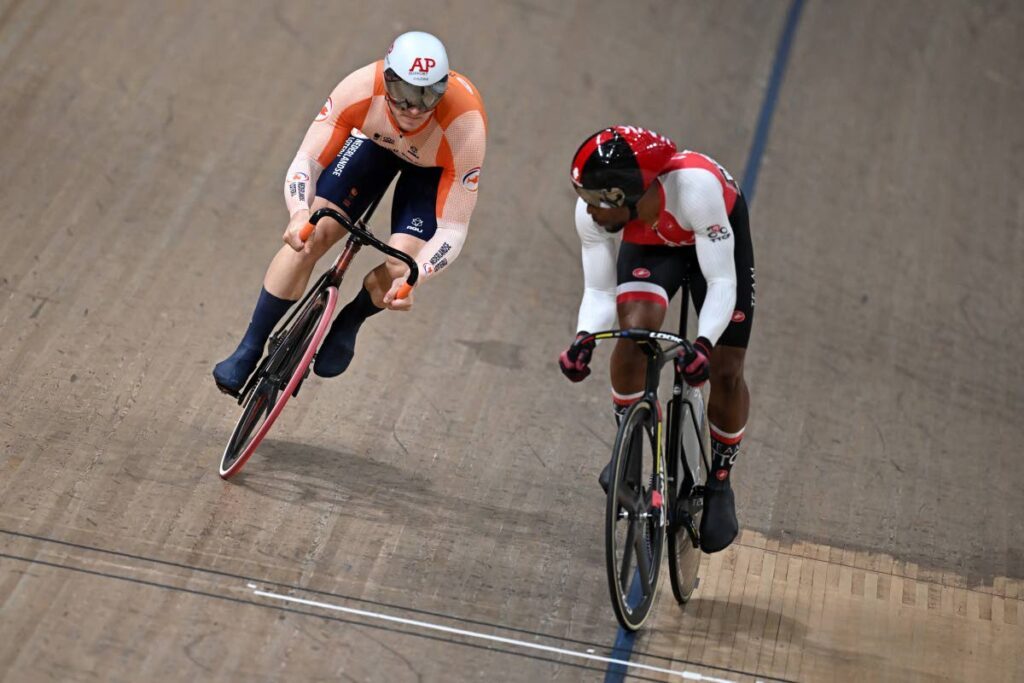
[{"x": 406, "y": 115}]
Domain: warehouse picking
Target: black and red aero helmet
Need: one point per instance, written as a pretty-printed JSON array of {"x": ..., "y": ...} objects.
[{"x": 615, "y": 166}]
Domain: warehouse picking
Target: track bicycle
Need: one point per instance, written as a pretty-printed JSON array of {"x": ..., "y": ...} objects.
[
  {"x": 656, "y": 491},
  {"x": 292, "y": 348}
]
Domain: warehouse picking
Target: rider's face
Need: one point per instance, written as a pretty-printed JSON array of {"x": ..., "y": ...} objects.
[
  {"x": 411, "y": 118},
  {"x": 611, "y": 219}
]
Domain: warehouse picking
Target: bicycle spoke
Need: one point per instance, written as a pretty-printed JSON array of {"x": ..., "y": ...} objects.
[{"x": 625, "y": 569}]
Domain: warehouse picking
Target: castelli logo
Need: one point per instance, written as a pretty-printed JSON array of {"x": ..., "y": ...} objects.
[
  {"x": 423, "y": 64},
  {"x": 325, "y": 110},
  {"x": 641, "y": 273},
  {"x": 738, "y": 316}
]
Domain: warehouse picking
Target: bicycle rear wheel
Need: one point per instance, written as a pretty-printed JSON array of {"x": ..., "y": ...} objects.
[
  {"x": 686, "y": 472},
  {"x": 278, "y": 378},
  {"x": 633, "y": 535}
]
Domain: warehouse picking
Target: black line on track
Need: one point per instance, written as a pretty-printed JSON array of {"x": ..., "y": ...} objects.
[
  {"x": 180, "y": 565},
  {"x": 292, "y": 610}
]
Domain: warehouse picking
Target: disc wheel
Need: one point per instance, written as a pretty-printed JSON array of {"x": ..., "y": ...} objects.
[
  {"x": 278, "y": 379},
  {"x": 686, "y": 510},
  {"x": 633, "y": 534}
]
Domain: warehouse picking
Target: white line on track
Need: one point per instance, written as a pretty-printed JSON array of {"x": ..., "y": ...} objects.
[{"x": 688, "y": 675}]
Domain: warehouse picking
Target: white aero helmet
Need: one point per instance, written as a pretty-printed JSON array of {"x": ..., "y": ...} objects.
[{"x": 416, "y": 71}]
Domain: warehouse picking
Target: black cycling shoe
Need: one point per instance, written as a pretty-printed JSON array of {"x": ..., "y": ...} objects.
[
  {"x": 338, "y": 348},
  {"x": 231, "y": 373},
  {"x": 718, "y": 525}
]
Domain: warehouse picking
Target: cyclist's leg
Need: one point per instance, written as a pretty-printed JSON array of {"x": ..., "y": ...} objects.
[
  {"x": 648, "y": 277},
  {"x": 361, "y": 172},
  {"x": 413, "y": 222},
  {"x": 729, "y": 403}
]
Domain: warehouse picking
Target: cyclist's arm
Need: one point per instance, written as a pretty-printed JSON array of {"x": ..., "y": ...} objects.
[
  {"x": 599, "y": 250},
  {"x": 344, "y": 109},
  {"x": 699, "y": 203},
  {"x": 461, "y": 158}
]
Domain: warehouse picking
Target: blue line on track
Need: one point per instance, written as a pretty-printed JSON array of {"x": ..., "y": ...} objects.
[
  {"x": 625, "y": 640},
  {"x": 771, "y": 97}
]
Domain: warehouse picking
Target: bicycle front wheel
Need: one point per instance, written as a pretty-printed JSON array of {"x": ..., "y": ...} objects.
[
  {"x": 278, "y": 380},
  {"x": 633, "y": 518},
  {"x": 686, "y": 473}
]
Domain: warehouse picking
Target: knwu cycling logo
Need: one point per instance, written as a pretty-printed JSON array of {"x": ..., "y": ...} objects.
[
  {"x": 325, "y": 110},
  {"x": 471, "y": 180}
]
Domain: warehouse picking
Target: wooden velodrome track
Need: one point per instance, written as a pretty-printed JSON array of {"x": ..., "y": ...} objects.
[{"x": 445, "y": 486}]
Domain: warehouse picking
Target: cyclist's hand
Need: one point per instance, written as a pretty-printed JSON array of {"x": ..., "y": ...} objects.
[
  {"x": 575, "y": 360},
  {"x": 696, "y": 366},
  {"x": 397, "y": 304},
  {"x": 291, "y": 233}
]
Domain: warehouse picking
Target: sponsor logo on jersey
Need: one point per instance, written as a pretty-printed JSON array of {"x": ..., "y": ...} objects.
[
  {"x": 297, "y": 190},
  {"x": 415, "y": 225},
  {"x": 301, "y": 177},
  {"x": 717, "y": 233},
  {"x": 352, "y": 145},
  {"x": 471, "y": 180},
  {"x": 642, "y": 273},
  {"x": 325, "y": 110},
  {"x": 437, "y": 258},
  {"x": 738, "y": 316},
  {"x": 422, "y": 64}
]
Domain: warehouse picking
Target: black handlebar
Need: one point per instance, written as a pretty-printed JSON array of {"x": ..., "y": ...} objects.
[
  {"x": 364, "y": 236},
  {"x": 641, "y": 335}
]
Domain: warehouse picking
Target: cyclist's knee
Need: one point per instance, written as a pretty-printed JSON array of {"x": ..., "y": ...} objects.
[
  {"x": 727, "y": 369},
  {"x": 395, "y": 267},
  {"x": 643, "y": 314}
]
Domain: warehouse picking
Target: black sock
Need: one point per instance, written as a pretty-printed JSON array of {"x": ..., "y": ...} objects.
[
  {"x": 724, "y": 449},
  {"x": 360, "y": 308}
]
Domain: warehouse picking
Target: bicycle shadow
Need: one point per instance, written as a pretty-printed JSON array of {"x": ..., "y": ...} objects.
[{"x": 299, "y": 473}]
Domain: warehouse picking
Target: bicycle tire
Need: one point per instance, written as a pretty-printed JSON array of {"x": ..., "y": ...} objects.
[
  {"x": 280, "y": 377},
  {"x": 633, "y": 565},
  {"x": 683, "y": 542}
]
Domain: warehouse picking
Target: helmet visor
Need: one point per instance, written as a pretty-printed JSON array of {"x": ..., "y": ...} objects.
[
  {"x": 603, "y": 198},
  {"x": 406, "y": 95}
]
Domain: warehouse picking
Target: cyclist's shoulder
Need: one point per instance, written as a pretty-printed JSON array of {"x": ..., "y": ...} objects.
[
  {"x": 463, "y": 102},
  {"x": 689, "y": 159},
  {"x": 362, "y": 83},
  {"x": 691, "y": 173}
]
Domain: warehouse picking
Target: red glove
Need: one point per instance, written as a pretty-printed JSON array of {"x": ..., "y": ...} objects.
[
  {"x": 575, "y": 360},
  {"x": 696, "y": 366}
]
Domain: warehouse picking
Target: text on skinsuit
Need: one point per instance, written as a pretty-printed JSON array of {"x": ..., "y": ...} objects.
[
  {"x": 350, "y": 149},
  {"x": 445, "y": 248}
]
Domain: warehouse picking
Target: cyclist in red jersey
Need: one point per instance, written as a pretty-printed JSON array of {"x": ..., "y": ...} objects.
[
  {"x": 648, "y": 217},
  {"x": 406, "y": 115}
]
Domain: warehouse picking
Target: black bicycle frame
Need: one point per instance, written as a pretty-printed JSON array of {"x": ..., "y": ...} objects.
[
  {"x": 358, "y": 235},
  {"x": 657, "y": 357},
  {"x": 675, "y": 404}
]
